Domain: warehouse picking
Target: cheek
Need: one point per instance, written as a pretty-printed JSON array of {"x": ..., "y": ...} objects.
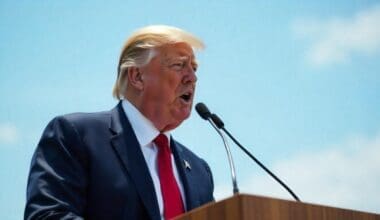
[
  {"x": 161, "y": 94},
  {"x": 173, "y": 85},
  {"x": 172, "y": 78},
  {"x": 166, "y": 88}
]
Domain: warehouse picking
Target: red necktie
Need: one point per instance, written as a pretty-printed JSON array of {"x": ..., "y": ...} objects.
[{"x": 169, "y": 189}]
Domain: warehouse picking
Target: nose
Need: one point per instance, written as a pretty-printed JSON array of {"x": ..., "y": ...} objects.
[{"x": 190, "y": 76}]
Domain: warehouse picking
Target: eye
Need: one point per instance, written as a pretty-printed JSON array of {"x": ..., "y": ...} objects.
[
  {"x": 195, "y": 67},
  {"x": 178, "y": 65}
]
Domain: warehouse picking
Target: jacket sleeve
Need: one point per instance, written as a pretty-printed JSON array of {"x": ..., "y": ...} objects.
[{"x": 58, "y": 174}]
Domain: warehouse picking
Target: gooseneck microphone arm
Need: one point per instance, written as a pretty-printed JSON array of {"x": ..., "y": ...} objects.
[
  {"x": 219, "y": 123},
  {"x": 205, "y": 114},
  {"x": 229, "y": 155}
]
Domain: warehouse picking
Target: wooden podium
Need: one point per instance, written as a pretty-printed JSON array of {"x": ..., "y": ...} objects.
[{"x": 243, "y": 207}]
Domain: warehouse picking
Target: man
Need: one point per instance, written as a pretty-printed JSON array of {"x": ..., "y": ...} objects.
[{"x": 123, "y": 163}]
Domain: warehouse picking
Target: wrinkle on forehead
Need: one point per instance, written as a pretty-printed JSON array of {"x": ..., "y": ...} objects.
[
  {"x": 182, "y": 49},
  {"x": 170, "y": 53}
]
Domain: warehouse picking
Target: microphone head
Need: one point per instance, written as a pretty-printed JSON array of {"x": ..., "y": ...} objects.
[
  {"x": 218, "y": 122},
  {"x": 203, "y": 110}
]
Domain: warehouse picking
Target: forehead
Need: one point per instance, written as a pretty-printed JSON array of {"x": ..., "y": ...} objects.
[{"x": 178, "y": 50}]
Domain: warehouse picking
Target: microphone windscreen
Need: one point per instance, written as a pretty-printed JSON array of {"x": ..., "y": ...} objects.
[{"x": 202, "y": 110}]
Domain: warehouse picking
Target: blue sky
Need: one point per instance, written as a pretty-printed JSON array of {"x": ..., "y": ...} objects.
[{"x": 297, "y": 82}]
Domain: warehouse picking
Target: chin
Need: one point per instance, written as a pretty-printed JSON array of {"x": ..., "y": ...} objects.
[
  {"x": 180, "y": 118},
  {"x": 182, "y": 113},
  {"x": 179, "y": 115},
  {"x": 185, "y": 114},
  {"x": 173, "y": 125}
]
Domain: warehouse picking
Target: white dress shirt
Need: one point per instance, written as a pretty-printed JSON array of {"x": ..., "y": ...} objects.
[{"x": 146, "y": 133}]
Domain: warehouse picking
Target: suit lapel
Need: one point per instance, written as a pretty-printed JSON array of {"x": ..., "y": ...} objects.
[
  {"x": 186, "y": 175},
  {"x": 129, "y": 152}
]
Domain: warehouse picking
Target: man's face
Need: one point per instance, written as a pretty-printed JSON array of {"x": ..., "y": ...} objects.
[{"x": 168, "y": 86}]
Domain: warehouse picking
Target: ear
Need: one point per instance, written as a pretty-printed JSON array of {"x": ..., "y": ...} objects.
[{"x": 135, "y": 78}]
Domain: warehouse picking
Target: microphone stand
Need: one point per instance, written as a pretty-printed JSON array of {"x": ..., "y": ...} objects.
[
  {"x": 219, "y": 124},
  {"x": 229, "y": 155}
]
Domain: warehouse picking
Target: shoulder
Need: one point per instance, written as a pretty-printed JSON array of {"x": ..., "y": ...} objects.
[
  {"x": 81, "y": 120},
  {"x": 76, "y": 126},
  {"x": 86, "y": 118},
  {"x": 70, "y": 133}
]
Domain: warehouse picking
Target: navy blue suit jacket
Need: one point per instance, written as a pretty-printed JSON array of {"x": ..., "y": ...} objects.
[{"x": 90, "y": 165}]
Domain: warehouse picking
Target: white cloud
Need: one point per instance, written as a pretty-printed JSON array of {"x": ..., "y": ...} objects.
[
  {"x": 336, "y": 40},
  {"x": 8, "y": 133},
  {"x": 346, "y": 175}
]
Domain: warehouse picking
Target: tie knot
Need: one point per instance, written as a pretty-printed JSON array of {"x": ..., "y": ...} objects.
[{"x": 161, "y": 141}]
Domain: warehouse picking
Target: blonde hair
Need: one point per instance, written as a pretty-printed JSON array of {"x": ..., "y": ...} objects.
[{"x": 139, "y": 50}]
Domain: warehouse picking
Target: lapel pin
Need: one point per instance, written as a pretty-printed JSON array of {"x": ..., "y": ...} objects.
[{"x": 187, "y": 165}]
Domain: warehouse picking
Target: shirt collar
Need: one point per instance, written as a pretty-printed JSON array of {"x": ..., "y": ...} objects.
[{"x": 143, "y": 127}]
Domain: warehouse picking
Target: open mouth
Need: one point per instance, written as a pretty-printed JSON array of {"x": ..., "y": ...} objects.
[{"x": 186, "y": 96}]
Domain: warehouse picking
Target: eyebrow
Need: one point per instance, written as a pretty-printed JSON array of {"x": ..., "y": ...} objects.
[
  {"x": 193, "y": 60},
  {"x": 182, "y": 58}
]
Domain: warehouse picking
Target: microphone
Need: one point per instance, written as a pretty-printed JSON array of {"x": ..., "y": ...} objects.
[
  {"x": 206, "y": 115},
  {"x": 220, "y": 125},
  {"x": 203, "y": 111}
]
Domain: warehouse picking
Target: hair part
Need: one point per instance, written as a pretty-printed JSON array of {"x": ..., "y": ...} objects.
[{"x": 139, "y": 50}]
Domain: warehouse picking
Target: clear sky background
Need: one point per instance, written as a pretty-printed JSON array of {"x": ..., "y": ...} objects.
[{"x": 297, "y": 82}]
